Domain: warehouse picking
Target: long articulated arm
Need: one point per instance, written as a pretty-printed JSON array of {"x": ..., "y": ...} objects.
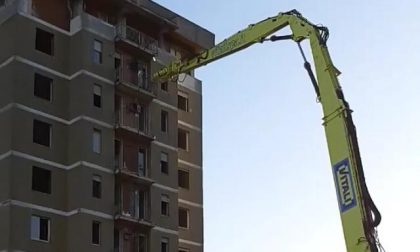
[
  {"x": 359, "y": 215},
  {"x": 253, "y": 34}
]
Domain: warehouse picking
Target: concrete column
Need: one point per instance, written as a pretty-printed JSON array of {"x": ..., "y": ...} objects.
[
  {"x": 25, "y": 6},
  {"x": 76, "y": 7}
]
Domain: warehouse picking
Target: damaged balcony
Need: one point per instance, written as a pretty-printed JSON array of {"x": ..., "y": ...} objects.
[
  {"x": 131, "y": 240},
  {"x": 132, "y": 163},
  {"x": 133, "y": 205},
  {"x": 89, "y": 22},
  {"x": 39, "y": 9},
  {"x": 133, "y": 77},
  {"x": 161, "y": 17},
  {"x": 133, "y": 39},
  {"x": 132, "y": 119}
]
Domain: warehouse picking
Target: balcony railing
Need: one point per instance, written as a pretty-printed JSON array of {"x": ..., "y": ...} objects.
[
  {"x": 135, "y": 120},
  {"x": 133, "y": 213},
  {"x": 133, "y": 206},
  {"x": 137, "y": 79},
  {"x": 138, "y": 38},
  {"x": 89, "y": 22},
  {"x": 121, "y": 166},
  {"x": 131, "y": 242}
]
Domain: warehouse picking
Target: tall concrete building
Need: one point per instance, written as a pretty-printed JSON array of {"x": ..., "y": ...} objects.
[{"x": 94, "y": 155}]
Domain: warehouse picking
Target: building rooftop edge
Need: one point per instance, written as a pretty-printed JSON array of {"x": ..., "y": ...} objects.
[{"x": 185, "y": 28}]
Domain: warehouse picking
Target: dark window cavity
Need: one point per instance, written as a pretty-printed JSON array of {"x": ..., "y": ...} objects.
[
  {"x": 183, "y": 139},
  {"x": 164, "y": 121},
  {"x": 183, "y": 101},
  {"x": 97, "y": 186},
  {"x": 44, "y": 42},
  {"x": 183, "y": 217},
  {"x": 183, "y": 179},
  {"x": 96, "y": 233},
  {"x": 43, "y": 87},
  {"x": 41, "y": 180},
  {"x": 164, "y": 245},
  {"x": 164, "y": 86},
  {"x": 42, "y": 133}
]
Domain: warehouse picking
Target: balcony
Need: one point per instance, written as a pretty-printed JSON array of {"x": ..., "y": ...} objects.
[
  {"x": 137, "y": 39},
  {"x": 132, "y": 120},
  {"x": 154, "y": 11},
  {"x": 137, "y": 173},
  {"x": 178, "y": 26},
  {"x": 133, "y": 78},
  {"x": 138, "y": 176},
  {"x": 133, "y": 206},
  {"x": 131, "y": 163},
  {"x": 130, "y": 241},
  {"x": 132, "y": 216},
  {"x": 85, "y": 21}
]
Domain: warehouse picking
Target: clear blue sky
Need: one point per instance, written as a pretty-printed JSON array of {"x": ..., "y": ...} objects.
[{"x": 268, "y": 184}]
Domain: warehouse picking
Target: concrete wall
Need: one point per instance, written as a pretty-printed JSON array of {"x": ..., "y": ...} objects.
[
  {"x": 79, "y": 234},
  {"x": 71, "y": 140},
  {"x": 81, "y": 46},
  {"x": 194, "y": 152},
  {"x": 5, "y": 165},
  {"x": 192, "y": 233},
  {"x": 156, "y": 237},
  {"x": 4, "y": 227},
  {"x": 20, "y": 231},
  {"x": 59, "y": 17},
  {"x": 169, "y": 222},
  {"x": 6, "y": 131},
  {"x": 21, "y": 181},
  {"x": 191, "y": 121},
  {"x": 80, "y": 190},
  {"x": 171, "y": 136},
  {"x": 26, "y": 46},
  {"x": 170, "y": 179},
  {"x": 195, "y": 192},
  {"x": 73, "y": 117},
  {"x": 80, "y": 89}
]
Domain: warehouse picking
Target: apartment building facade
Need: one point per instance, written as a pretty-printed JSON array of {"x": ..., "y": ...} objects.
[{"x": 95, "y": 155}]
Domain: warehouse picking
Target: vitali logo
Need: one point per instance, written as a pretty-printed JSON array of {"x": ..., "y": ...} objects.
[{"x": 344, "y": 185}]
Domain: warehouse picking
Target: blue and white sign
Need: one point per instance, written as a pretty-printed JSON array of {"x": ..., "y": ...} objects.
[{"x": 344, "y": 185}]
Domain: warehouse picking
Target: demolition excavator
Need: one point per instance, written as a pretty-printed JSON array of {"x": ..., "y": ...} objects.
[{"x": 359, "y": 215}]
